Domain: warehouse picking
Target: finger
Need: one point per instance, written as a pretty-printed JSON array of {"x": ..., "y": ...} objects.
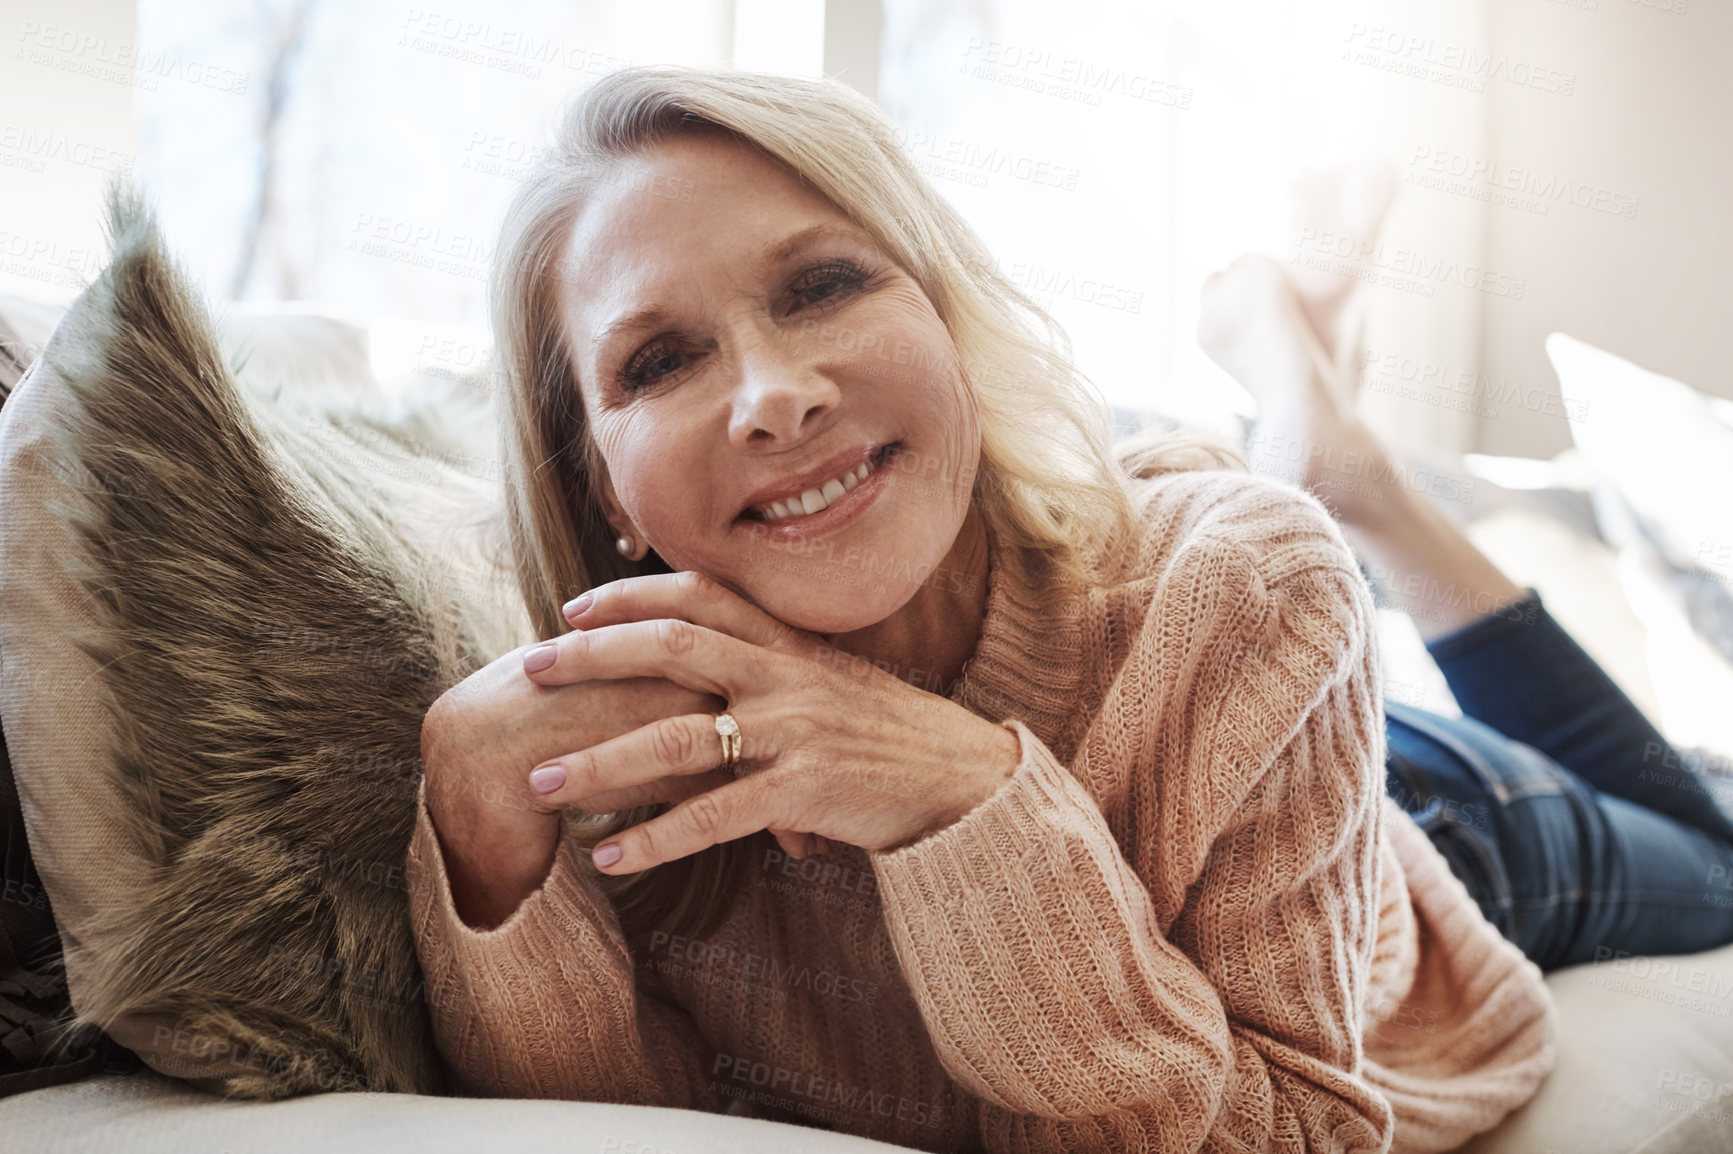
[
  {"x": 795, "y": 845},
  {"x": 690, "y": 595},
  {"x": 671, "y": 790},
  {"x": 719, "y": 815},
  {"x": 668, "y": 647},
  {"x": 681, "y": 746}
]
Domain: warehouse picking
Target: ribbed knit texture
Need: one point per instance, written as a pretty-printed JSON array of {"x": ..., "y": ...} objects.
[{"x": 1190, "y": 921}]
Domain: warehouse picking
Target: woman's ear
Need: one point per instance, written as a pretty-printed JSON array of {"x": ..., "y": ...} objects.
[{"x": 630, "y": 543}]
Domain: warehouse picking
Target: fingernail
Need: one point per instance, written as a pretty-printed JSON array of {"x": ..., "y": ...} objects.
[
  {"x": 607, "y": 855},
  {"x": 539, "y": 658},
  {"x": 548, "y": 778},
  {"x": 578, "y": 604},
  {"x": 812, "y": 845}
]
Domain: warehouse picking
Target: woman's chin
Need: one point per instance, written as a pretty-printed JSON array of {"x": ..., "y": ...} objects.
[{"x": 843, "y": 611}]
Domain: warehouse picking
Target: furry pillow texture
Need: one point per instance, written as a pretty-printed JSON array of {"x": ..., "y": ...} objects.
[{"x": 279, "y": 583}]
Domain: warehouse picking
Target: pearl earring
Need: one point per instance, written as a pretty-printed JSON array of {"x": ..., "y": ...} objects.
[{"x": 625, "y": 545}]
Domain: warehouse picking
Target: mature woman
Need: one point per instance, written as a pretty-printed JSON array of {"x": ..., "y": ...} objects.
[{"x": 955, "y": 783}]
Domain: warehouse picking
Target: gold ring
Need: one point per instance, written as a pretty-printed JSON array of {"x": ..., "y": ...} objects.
[{"x": 729, "y": 730}]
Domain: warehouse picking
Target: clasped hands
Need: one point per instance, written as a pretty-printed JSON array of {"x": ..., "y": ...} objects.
[{"x": 831, "y": 745}]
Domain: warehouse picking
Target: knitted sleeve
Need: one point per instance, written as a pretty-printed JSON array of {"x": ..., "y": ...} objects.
[
  {"x": 545, "y": 1004},
  {"x": 1181, "y": 966}
]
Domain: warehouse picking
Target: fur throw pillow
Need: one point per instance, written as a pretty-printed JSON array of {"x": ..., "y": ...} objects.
[{"x": 282, "y": 587}]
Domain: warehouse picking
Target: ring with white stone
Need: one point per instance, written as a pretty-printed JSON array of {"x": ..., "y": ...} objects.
[{"x": 729, "y": 730}]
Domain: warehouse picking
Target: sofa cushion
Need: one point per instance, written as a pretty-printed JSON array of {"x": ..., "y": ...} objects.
[
  {"x": 1661, "y": 456},
  {"x": 1645, "y": 1061},
  {"x": 146, "y": 1114},
  {"x": 222, "y": 617}
]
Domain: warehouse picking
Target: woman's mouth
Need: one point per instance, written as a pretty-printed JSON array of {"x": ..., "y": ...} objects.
[
  {"x": 837, "y": 502},
  {"x": 822, "y": 496}
]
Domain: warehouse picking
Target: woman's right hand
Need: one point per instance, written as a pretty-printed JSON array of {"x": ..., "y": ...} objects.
[{"x": 478, "y": 743}]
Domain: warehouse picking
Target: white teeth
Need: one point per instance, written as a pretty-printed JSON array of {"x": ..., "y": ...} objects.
[{"x": 813, "y": 500}]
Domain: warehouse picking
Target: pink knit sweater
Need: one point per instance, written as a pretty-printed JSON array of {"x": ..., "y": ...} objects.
[{"x": 1191, "y": 920}]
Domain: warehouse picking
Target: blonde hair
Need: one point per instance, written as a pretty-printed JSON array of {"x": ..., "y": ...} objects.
[{"x": 1047, "y": 483}]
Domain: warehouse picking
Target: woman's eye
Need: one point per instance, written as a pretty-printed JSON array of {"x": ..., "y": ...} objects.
[
  {"x": 827, "y": 281},
  {"x": 649, "y": 365}
]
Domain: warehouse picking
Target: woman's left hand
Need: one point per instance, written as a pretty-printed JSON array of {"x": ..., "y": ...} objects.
[{"x": 830, "y": 744}]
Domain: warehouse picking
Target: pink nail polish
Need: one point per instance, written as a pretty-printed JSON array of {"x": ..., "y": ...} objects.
[
  {"x": 578, "y": 604},
  {"x": 548, "y": 778},
  {"x": 539, "y": 658},
  {"x": 607, "y": 855}
]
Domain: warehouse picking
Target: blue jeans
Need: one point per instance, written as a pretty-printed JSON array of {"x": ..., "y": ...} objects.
[{"x": 1571, "y": 821}]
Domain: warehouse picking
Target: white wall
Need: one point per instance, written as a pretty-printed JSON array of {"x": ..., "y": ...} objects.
[
  {"x": 1155, "y": 194},
  {"x": 66, "y": 88},
  {"x": 1647, "y": 131}
]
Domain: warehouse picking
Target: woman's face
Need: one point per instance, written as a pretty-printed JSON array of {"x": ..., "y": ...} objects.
[{"x": 745, "y": 354}]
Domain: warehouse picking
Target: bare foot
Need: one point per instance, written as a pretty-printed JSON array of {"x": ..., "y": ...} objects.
[
  {"x": 1339, "y": 211},
  {"x": 1251, "y": 322}
]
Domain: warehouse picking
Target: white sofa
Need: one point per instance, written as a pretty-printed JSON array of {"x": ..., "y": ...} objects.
[{"x": 1645, "y": 1048}]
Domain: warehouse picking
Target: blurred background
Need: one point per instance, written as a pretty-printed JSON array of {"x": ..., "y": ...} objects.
[
  {"x": 1561, "y": 166},
  {"x": 1564, "y": 164}
]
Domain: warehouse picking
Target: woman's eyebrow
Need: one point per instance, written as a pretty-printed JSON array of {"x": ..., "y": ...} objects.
[
  {"x": 789, "y": 245},
  {"x": 643, "y": 318}
]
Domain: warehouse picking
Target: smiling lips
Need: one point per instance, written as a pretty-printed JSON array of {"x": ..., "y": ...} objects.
[{"x": 819, "y": 497}]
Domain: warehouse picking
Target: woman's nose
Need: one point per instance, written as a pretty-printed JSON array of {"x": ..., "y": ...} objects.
[{"x": 780, "y": 397}]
